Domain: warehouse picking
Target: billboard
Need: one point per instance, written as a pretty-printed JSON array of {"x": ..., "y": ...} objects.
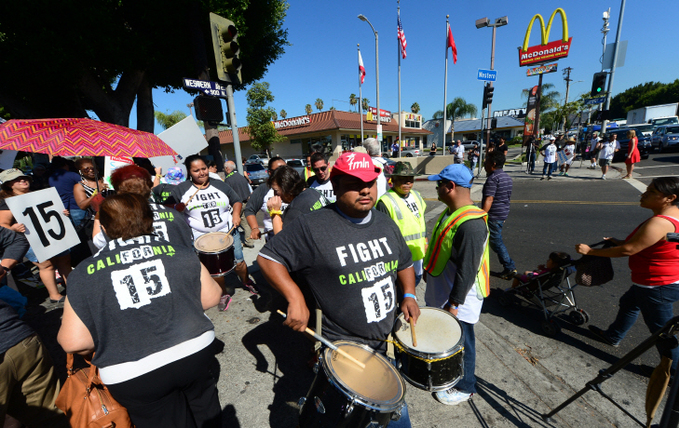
[
  {"x": 546, "y": 51},
  {"x": 531, "y": 112},
  {"x": 541, "y": 69}
]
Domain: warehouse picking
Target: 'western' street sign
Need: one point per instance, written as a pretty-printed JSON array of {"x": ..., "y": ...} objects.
[
  {"x": 207, "y": 87},
  {"x": 487, "y": 75}
]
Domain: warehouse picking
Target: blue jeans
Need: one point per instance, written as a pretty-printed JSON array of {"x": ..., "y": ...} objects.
[
  {"x": 404, "y": 420},
  {"x": 77, "y": 216},
  {"x": 468, "y": 381},
  {"x": 532, "y": 162},
  {"x": 548, "y": 168},
  {"x": 496, "y": 244},
  {"x": 655, "y": 304}
]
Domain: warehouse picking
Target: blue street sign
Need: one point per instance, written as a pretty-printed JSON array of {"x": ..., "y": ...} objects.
[
  {"x": 591, "y": 101},
  {"x": 487, "y": 75},
  {"x": 205, "y": 86}
]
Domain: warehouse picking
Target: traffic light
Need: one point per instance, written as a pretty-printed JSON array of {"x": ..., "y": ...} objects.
[
  {"x": 487, "y": 95},
  {"x": 208, "y": 109},
  {"x": 598, "y": 84},
  {"x": 226, "y": 49}
]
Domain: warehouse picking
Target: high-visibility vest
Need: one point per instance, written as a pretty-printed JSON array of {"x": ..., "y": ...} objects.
[
  {"x": 413, "y": 229},
  {"x": 441, "y": 246},
  {"x": 308, "y": 172}
]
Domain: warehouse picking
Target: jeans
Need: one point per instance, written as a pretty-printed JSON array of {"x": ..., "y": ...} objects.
[
  {"x": 531, "y": 164},
  {"x": 548, "y": 168},
  {"x": 468, "y": 382},
  {"x": 77, "y": 216},
  {"x": 655, "y": 304},
  {"x": 404, "y": 420},
  {"x": 496, "y": 244}
]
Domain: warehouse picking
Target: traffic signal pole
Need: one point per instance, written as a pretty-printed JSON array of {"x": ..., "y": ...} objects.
[
  {"x": 231, "y": 107},
  {"x": 492, "y": 65},
  {"x": 615, "y": 60}
]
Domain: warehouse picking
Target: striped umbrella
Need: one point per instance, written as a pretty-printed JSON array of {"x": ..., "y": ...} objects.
[{"x": 79, "y": 137}]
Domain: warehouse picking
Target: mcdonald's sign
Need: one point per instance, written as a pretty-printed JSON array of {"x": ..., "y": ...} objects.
[{"x": 546, "y": 51}]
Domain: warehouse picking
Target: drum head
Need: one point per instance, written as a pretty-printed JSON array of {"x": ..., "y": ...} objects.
[
  {"x": 214, "y": 242},
  {"x": 437, "y": 331},
  {"x": 379, "y": 384}
]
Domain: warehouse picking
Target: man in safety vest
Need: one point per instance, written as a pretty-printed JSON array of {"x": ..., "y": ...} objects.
[
  {"x": 406, "y": 207},
  {"x": 308, "y": 172},
  {"x": 457, "y": 264}
]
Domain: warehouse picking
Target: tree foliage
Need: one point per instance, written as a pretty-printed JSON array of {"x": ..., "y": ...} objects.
[
  {"x": 63, "y": 59},
  {"x": 365, "y": 104},
  {"x": 646, "y": 94},
  {"x": 167, "y": 120},
  {"x": 319, "y": 104},
  {"x": 457, "y": 109},
  {"x": 283, "y": 114},
  {"x": 549, "y": 98},
  {"x": 308, "y": 109},
  {"x": 260, "y": 128},
  {"x": 415, "y": 108},
  {"x": 353, "y": 100}
]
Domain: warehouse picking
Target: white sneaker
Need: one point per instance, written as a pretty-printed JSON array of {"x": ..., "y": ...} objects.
[
  {"x": 452, "y": 397},
  {"x": 603, "y": 177}
]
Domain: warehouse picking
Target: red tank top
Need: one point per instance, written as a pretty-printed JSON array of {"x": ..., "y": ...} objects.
[{"x": 658, "y": 264}]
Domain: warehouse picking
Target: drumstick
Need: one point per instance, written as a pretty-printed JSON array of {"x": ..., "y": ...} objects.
[
  {"x": 201, "y": 187},
  {"x": 328, "y": 344},
  {"x": 412, "y": 332}
]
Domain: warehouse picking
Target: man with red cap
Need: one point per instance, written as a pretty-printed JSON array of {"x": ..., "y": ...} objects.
[{"x": 350, "y": 256}]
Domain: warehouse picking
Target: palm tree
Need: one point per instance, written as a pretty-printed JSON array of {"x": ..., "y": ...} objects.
[
  {"x": 308, "y": 109},
  {"x": 415, "y": 108},
  {"x": 353, "y": 100},
  {"x": 319, "y": 104},
  {"x": 332, "y": 108},
  {"x": 366, "y": 104},
  {"x": 283, "y": 114},
  {"x": 274, "y": 115},
  {"x": 457, "y": 109},
  {"x": 549, "y": 98}
]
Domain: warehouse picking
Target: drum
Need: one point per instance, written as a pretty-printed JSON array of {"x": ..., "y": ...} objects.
[
  {"x": 436, "y": 363},
  {"x": 345, "y": 395},
  {"x": 215, "y": 251}
]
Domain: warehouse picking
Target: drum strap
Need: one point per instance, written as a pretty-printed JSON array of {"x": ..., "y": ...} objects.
[
  {"x": 319, "y": 328},
  {"x": 390, "y": 347}
]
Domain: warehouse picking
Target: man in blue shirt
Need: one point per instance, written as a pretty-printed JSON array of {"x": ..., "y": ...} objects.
[{"x": 497, "y": 192}]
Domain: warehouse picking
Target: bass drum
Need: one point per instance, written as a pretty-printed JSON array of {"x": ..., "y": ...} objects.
[
  {"x": 436, "y": 363},
  {"x": 215, "y": 250},
  {"x": 345, "y": 395}
]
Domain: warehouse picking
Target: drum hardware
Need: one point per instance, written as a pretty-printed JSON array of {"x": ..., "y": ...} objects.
[
  {"x": 320, "y": 408},
  {"x": 349, "y": 409},
  {"x": 215, "y": 250}
]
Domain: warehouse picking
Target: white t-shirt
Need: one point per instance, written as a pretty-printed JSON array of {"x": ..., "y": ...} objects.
[
  {"x": 438, "y": 292},
  {"x": 593, "y": 143},
  {"x": 458, "y": 151},
  {"x": 382, "y": 186},
  {"x": 569, "y": 151},
  {"x": 608, "y": 149},
  {"x": 550, "y": 153},
  {"x": 325, "y": 189}
]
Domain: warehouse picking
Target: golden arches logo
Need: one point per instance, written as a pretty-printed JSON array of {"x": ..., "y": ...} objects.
[{"x": 545, "y": 30}]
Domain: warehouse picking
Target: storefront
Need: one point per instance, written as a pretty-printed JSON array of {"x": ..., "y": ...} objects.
[{"x": 331, "y": 129}]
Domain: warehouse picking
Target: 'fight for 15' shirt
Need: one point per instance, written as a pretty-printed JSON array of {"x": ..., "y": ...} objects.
[{"x": 210, "y": 209}]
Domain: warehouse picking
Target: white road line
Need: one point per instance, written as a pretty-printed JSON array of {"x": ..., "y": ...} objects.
[
  {"x": 657, "y": 176},
  {"x": 641, "y": 187},
  {"x": 657, "y": 166}
]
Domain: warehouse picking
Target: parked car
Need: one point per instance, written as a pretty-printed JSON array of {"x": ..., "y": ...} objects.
[
  {"x": 297, "y": 164},
  {"x": 643, "y": 143},
  {"x": 257, "y": 159},
  {"x": 644, "y": 128},
  {"x": 257, "y": 173},
  {"x": 665, "y": 137}
]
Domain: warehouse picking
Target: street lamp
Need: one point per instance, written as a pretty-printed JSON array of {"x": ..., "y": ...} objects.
[
  {"x": 377, "y": 80},
  {"x": 480, "y": 23}
]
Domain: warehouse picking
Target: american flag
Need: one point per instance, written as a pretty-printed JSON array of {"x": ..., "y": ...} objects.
[{"x": 401, "y": 36}]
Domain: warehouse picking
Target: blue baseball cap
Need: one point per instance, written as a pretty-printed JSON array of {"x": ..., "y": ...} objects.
[{"x": 457, "y": 173}]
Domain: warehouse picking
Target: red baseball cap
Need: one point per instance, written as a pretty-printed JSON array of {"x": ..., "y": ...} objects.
[{"x": 356, "y": 164}]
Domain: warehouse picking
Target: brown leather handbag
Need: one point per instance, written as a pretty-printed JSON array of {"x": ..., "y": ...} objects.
[{"x": 87, "y": 402}]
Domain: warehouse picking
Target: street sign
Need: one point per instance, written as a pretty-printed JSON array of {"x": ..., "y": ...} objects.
[
  {"x": 207, "y": 87},
  {"x": 487, "y": 75},
  {"x": 591, "y": 101}
]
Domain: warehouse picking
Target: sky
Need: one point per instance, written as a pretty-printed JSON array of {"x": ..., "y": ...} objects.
[{"x": 321, "y": 61}]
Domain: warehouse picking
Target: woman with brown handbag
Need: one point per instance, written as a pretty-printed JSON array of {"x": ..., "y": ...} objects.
[{"x": 138, "y": 304}]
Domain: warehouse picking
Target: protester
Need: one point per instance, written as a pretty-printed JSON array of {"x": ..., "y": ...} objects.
[
  {"x": 549, "y": 153},
  {"x": 259, "y": 199},
  {"x": 406, "y": 207},
  {"x": 308, "y": 172},
  {"x": 456, "y": 264},
  {"x": 162, "y": 193},
  {"x": 654, "y": 263},
  {"x": 16, "y": 183},
  {"x": 289, "y": 188},
  {"x": 40, "y": 177},
  {"x": 594, "y": 149},
  {"x": 569, "y": 151},
  {"x": 497, "y": 193},
  {"x": 212, "y": 206},
  {"x": 474, "y": 156},
  {"x": 85, "y": 190},
  {"x": 241, "y": 186},
  {"x": 372, "y": 146},
  {"x": 320, "y": 181},
  {"x": 317, "y": 248},
  {"x": 533, "y": 150},
  {"x": 608, "y": 147},
  {"x": 64, "y": 181},
  {"x": 432, "y": 149},
  {"x": 633, "y": 155},
  {"x": 395, "y": 149},
  {"x": 159, "y": 371},
  {"x": 458, "y": 152},
  {"x": 502, "y": 146},
  {"x": 212, "y": 170}
]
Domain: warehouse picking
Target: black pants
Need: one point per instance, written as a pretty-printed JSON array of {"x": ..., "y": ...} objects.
[{"x": 180, "y": 394}]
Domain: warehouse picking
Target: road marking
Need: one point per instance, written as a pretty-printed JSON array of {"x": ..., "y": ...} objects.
[
  {"x": 573, "y": 202},
  {"x": 637, "y": 184},
  {"x": 657, "y": 166},
  {"x": 656, "y": 176}
]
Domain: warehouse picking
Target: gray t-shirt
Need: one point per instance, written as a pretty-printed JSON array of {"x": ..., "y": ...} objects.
[
  {"x": 307, "y": 201},
  {"x": 350, "y": 269},
  {"x": 138, "y": 297},
  {"x": 12, "y": 329}
]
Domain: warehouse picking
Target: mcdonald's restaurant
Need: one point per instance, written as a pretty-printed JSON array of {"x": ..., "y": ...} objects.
[{"x": 331, "y": 129}]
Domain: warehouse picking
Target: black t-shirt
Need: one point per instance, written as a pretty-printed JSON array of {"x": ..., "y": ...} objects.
[
  {"x": 162, "y": 194},
  {"x": 256, "y": 199},
  {"x": 170, "y": 225},
  {"x": 307, "y": 201},
  {"x": 350, "y": 269},
  {"x": 239, "y": 184},
  {"x": 502, "y": 148},
  {"x": 12, "y": 329}
]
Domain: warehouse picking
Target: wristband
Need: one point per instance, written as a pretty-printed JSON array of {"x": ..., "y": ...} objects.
[
  {"x": 5, "y": 268},
  {"x": 448, "y": 305},
  {"x": 412, "y": 296},
  {"x": 159, "y": 175},
  {"x": 275, "y": 212},
  {"x": 94, "y": 193}
]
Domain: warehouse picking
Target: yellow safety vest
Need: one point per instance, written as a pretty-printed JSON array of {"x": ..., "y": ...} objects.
[
  {"x": 308, "y": 172},
  {"x": 414, "y": 229},
  {"x": 441, "y": 246}
]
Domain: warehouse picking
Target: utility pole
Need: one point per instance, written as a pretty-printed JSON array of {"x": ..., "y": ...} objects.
[
  {"x": 616, "y": 48},
  {"x": 567, "y": 78}
]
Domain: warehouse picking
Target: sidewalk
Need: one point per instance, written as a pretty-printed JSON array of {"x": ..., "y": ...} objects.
[{"x": 264, "y": 372}]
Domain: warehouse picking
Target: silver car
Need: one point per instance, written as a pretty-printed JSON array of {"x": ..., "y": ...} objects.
[{"x": 665, "y": 136}]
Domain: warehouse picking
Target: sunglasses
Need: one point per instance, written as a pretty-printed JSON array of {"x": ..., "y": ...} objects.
[
  {"x": 87, "y": 168},
  {"x": 441, "y": 183},
  {"x": 321, "y": 169}
]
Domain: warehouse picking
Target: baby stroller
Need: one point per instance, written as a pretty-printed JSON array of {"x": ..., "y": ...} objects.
[{"x": 552, "y": 290}]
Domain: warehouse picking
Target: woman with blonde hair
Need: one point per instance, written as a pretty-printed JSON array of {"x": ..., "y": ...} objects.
[{"x": 633, "y": 155}]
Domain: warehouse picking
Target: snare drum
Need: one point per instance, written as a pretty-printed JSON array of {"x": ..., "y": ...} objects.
[
  {"x": 436, "y": 363},
  {"x": 215, "y": 250},
  {"x": 345, "y": 395}
]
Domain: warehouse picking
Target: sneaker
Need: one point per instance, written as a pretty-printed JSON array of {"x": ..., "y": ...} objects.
[
  {"x": 224, "y": 302},
  {"x": 250, "y": 286},
  {"x": 542, "y": 178},
  {"x": 549, "y": 177},
  {"x": 452, "y": 397},
  {"x": 248, "y": 244},
  {"x": 561, "y": 173},
  {"x": 603, "y": 177},
  {"x": 565, "y": 174},
  {"x": 601, "y": 336},
  {"x": 508, "y": 274}
]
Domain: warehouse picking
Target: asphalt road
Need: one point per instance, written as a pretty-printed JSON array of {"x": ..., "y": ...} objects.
[{"x": 556, "y": 215}]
